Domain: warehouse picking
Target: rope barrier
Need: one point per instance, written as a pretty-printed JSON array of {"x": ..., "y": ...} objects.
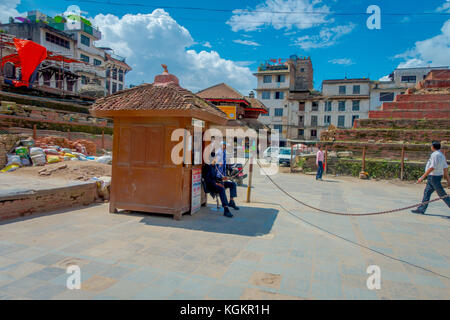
[{"x": 343, "y": 213}]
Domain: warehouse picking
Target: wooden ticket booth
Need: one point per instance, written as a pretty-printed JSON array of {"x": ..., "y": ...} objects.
[{"x": 144, "y": 177}]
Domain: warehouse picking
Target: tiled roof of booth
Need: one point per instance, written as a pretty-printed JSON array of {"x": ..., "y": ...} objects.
[{"x": 155, "y": 97}]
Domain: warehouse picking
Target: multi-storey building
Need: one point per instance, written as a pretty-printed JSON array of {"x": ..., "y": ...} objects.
[
  {"x": 116, "y": 69},
  {"x": 275, "y": 80},
  {"x": 340, "y": 103},
  {"x": 74, "y": 40},
  {"x": 397, "y": 83}
]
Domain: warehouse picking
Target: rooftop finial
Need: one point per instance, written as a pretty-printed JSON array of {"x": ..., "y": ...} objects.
[{"x": 165, "y": 68}]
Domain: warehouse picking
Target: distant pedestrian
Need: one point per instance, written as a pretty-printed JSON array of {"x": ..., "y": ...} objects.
[
  {"x": 319, "y": 163},
  {"x": 435, "y": 169}
]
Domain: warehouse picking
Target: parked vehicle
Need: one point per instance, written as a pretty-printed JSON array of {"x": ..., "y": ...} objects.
[
  {"x": 284, "y": 156},
  {"x": 270, "y": 153}
]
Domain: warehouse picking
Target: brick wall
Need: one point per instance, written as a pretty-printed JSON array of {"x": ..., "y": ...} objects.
[
  {"x": 97, "y": 139},
  {"x": 386, "y": 135},
  {"x": 47, "y": 200}
]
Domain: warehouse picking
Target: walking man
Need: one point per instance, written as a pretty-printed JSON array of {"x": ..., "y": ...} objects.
[
  {"x": 319, "y": 163},
  {"x": 435, "y": 169}
]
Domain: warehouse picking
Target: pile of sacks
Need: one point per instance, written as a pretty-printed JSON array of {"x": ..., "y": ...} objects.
[
  {"x": 27, "y": 154},
  {"x": 81, "y": 146}
]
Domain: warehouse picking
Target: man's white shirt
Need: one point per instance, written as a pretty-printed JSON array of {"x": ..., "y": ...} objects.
[{"x": 438, "y": 162}]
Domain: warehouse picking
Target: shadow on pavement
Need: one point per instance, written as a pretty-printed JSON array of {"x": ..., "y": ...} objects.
[{"x": 248, "y": 221}]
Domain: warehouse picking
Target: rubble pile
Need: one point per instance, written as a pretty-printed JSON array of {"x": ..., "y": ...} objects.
[{"x": 83, "y": 146}]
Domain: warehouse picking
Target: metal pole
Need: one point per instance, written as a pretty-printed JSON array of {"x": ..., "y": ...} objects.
[
  {"x": 103, "y": 139},
  {"x": 402, "y": 164},
  {"x": 68, "y": 134},
  {"x": 325, "y": 166},
  {"x": 34, "y": 132},
  {"x": 292, "y": 154},
  {"x": 364, "y": 159},
  {"x": 250, "y": 175}
]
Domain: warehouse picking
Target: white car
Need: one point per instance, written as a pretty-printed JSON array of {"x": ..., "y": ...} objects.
[
  {"x": 284, "y": 156},
  {"x": 271, "y": 152}
]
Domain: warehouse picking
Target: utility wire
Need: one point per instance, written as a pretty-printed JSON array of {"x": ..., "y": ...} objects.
[{"x": 241, "y": 11}]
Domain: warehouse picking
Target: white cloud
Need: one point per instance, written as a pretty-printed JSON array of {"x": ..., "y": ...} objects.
[
  {"x": 344, "y": 61},
  {"x": 247, "y": 42},
  {"x": 434, "y": 51},
  {"x": 444, "y": 8},
  {"x": 279, "y": 14},
  {"x": 8, "y": 9},
  {"x": 327, "y": 37},
  {"x": 148, "y": 40},
  {"x": 207, "y": 44},
  {"x": 385, "y": 78}
]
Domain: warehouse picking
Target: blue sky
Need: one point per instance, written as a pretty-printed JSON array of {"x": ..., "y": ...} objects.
[{"x": 207, "y": 47}]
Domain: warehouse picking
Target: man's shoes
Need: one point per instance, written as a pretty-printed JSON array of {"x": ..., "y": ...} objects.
[
  {"x": 233, "y": 205},
  {"x": 227, "y": 213},
  {"x": 417, "y": 211}
]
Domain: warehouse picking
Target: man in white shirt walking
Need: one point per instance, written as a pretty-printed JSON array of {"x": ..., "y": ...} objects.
[{"x": 435, "y": 169}]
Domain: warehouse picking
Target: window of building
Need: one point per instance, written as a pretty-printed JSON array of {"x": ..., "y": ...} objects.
[
  {"x": 97, "y": 62},
  {"x": 121, "y": 75},
  {"x": 341, "y": 106},
  {"x": 327, "y": 105},
  {"x": 302, "y": 69},
  {"x": 278, "y": 112},
  {"x": 265, "y": 95},
  {"x": 355, "y": 105},
  {"x": 315, "y": 106},
  {"x": 108, "y": 73},
  {"x": 301, "y": 106},
  {"x": 386, "y": 96},
  {"x": 47, "y": 77},
  {"x": 85, "y": 40},
  {"x": 354, "y": 117},
  {"x": 301, "y": 120},
  {"x": 279, "y": 95},
  {"x": 313, "y": 133},
  {"x": 114, "y": 87},
  {"x": 49, "y": 37},
  {"x": 84, "y": 58},
  {"x": 107, "y": 85},
  {"x": 267, "y": 79},
  {"x": 120, "y": 86},
  {"x": 341, "y": 121},
  {"x": 278, "y": 127},
  {"x": 85, "y": 80},
  {"x": 326, "y": 120},
  {"x": 356, "y": 89},
  {"x": 342, "y": 90},
  {"x": 281, "y": 78},
  {"x": 115, "y": 74},
  {"x": 301, "y": 132},
  {"x": 313, "y": 121},
  {"x": 408, "y": 78}
]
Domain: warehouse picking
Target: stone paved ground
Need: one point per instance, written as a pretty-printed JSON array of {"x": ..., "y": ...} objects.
[{"x": 264, "y": 252}]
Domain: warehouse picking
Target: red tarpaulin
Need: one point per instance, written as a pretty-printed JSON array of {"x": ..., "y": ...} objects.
[{"x": 31, "y": 55}]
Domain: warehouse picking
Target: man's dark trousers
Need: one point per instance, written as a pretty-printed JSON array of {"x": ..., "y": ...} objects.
[
  {"x": 433, "y": 184},
  {"x": 319, "y": 170},
  {"x": 221, "y": 191}
]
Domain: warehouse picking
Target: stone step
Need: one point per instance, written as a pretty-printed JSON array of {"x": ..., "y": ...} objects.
[
  {"x": 410, "y": 114},
  {"x": 416, "y": 105},
  {"x": 422, "y": 97},
  {"x": 412, "y": 124}
]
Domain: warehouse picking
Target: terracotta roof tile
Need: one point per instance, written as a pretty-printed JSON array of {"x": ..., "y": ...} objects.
[
  {"x": 155, "y": 97},
  {"x": 255, "y": 103},
  {"x": 220, "y": 91}
]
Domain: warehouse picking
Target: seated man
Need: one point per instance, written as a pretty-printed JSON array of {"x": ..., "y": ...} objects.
[{"x": 215, "y": 183}]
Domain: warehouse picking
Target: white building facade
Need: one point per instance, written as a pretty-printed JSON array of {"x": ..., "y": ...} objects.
[
  {"x": 397, "y": 83},
  {"x": 340, "y": 104}
]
